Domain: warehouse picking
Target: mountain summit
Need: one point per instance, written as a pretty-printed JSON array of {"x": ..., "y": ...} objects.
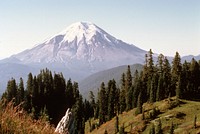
[{"x": 83, "y": 45}]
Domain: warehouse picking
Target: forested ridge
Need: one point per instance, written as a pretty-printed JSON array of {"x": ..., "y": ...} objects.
[
  {"x": 50, "y": 94},
  {"x": 157, "y": 81}
]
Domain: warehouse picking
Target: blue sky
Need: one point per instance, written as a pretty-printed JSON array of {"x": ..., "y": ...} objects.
[{"x": 166, "y": 26}]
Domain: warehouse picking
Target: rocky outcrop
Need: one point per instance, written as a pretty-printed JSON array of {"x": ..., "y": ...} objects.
[{"x": 63, "y": 125}]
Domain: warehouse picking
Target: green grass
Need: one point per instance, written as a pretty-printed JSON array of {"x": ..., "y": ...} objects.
[{"x": 181, "y": 115}]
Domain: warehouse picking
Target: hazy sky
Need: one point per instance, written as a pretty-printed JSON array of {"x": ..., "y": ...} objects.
[{"x": 166, "y": 26}]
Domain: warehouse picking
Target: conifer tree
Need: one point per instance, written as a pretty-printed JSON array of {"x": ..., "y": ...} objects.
[
  {"x": 92, "y": 102},
  {"x": 185, "y": 76},
  {"x": 176, "y": 71},
  {"x": 112, "y": 100},
  {"x": 69, "y": 93},
  {"x": 160, "y": 89},
  {"x": 153, "y": 89},
  {"x": 102, "y": 104},
  {"x": 149, "y": 74},
  {"x": 122, "y": 101},
  {"x": 179, "y": 88},
  {"x": 78, "y": 123},
  {"x": 137, "y": 88},
  {"x": 166, "y": 77},
  {"x": 128, "y": 84},
  {"x": 21, "y": 90},
  {"x": 195, "y": 78},
  {"x": 11, "y": 90},
  {"x": 123, "y": 81}
]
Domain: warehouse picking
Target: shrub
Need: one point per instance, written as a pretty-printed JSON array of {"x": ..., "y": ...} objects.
[{"x": 13, "y": 119}]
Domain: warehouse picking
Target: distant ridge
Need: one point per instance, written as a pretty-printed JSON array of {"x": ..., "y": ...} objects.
[{"x": 93, "y": 82}]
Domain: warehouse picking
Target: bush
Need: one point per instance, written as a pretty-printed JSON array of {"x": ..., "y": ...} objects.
[{"x": 13, "y": 119}]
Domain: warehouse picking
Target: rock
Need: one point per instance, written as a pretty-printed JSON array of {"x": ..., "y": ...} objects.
[{"x": 62, "y": 127}]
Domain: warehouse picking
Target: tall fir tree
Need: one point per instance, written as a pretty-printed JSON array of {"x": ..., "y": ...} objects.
[
  {"x": 166, "y": 77},
  {"x": 11, "y": 90},
  {"x": 78, "y": 122},
  {"x": 102, "y": 104},
  {"x": 21, "y": 90},
  {"x": 128, "y": 84},
  {"x": 122, "y": 99},
  {"x": 92, "y": 102},
  {"x": 176, "y": 71}
]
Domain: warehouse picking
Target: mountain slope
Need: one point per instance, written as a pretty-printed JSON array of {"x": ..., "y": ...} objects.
[
  {"x": 182, "y": 117},
  {"x": 93, "y": 82}
]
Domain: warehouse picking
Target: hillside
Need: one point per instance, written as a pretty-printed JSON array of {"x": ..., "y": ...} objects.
[
  {"x": 93, "y": 82},
  {"x": 181, "y": 115}
]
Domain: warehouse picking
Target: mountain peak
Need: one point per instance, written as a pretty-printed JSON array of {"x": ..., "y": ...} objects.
[{"x": 80, "y": 29}]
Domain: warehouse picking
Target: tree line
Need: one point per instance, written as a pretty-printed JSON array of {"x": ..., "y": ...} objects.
[{"x": 49, "y": 96}]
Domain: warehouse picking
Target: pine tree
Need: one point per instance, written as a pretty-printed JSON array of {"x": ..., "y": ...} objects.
[
  {"x": 78, "y": 123},
  {"x": 113, "y": 100},
  {"x": 122, "y": 101},
  {"x": 195, "y": 78},
  {"x": 123, "y": 81},
  {"x": 29, "y": 92},
  {"x": 102, "y": 104},
  {"x": 185, "y": 76},
  {"x": 166, "y": 78},
  {"x": 160, "y": 89},
  {"x": 153, "y": 89},
  {"x": 160, "y": 94},
  {"x": 92, "y": 102},
  {"x": 21, "y": 90},
  {"x": 11, "y": 90},
  {"x": 135, "y": 89},
  {"x": 176, "y": 71},
  {"x": 69, "y": 93},
  {"x": 179, "y": 88},
  {"x": 128, "y": 84},
  {"x": 149, "y": 72}
]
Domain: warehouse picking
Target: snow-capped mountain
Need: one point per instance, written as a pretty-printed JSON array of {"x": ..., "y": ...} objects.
[
  {"x": 82, "y": 46},
  {"x": 78, "y": 51}
]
